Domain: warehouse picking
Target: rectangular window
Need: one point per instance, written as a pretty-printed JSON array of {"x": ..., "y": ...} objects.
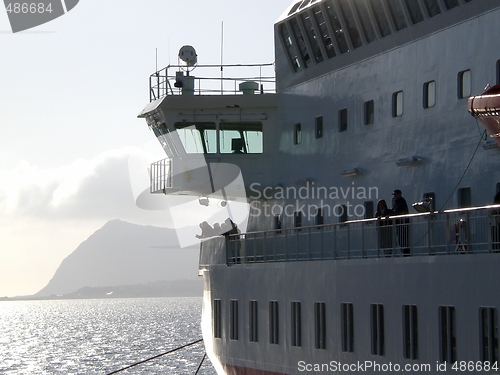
[
  {"x": 432, "y": 7},
  {"x": 397, "y": 104},
  {"x": 377, "y": 328},
  {"x": 233, "y": 320},
  {"x": 273, "y": 322},
  {"x": 319, "y": 218},
  {"x": 464, "y": 197},
  {"x": 369, "y": 112},
  {"x": 447, "y": 334},
  {"x": 450, "y": 4},
  {"x": 397, "y": 14},
  {"x": 296, "y": 324},
  {"x": 369, "y": 210},
  {"x": 410, "y": 332},
  {"x": 319, "y": 126},
  {"x": 252, "y": 319},
  {"x": 277, "y": 222},
  {"x": 343, "y": 120},
  {"x": 241, "y": 138},
  {"x": 429, "y": 94},
  {"x": 297, "y": 139},
  {"x": 489, "y": 334},
  {"x": 380, "y": 18},
  {"x": 347, "y": 327},
  {"x": 498, "y": 72},
  {"x": 320, "y": 325},
  {"x": 414, "y": 11},
  {"x": 341, "y": 212},
  {"x": 464, "y": 84},
  {"x": 217, "y": 318},
  {"x": 197, "y": 138},
  {"x": 297, "y": 219}
]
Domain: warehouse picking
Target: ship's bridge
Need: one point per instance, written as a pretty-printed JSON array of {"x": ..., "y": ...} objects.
[{"x": 222, "y": 116}]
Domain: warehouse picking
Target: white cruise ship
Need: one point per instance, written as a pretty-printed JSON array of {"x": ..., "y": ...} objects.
[{"x": 278, "y": 169}]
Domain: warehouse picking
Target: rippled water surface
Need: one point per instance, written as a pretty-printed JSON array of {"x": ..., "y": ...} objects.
[{"x": 100, "y": 336}]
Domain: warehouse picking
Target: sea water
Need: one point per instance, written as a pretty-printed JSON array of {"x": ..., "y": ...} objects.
[{"x": 99, "y": 336}]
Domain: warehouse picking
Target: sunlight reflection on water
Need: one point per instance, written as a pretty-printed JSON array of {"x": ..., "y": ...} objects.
[{"x": 99, "y": 336}]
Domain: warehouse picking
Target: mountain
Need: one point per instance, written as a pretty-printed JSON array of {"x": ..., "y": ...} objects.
[{"x": 122, "y": 253}]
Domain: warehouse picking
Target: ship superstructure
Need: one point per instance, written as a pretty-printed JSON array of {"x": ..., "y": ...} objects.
[{"x": 370, "y": 97}]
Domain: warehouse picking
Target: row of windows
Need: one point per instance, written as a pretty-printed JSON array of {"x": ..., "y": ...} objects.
[
  {"x": 334, "y": 27},
  {"x": 488, "y": 328},
  {"x": 464, "y": 90}
]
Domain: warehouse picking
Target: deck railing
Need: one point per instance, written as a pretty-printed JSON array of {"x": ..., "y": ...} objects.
[
  {"x": 212, "y": 79},
  {"x": 474, "y": 230},
  {"x": 160, "y": 176}
]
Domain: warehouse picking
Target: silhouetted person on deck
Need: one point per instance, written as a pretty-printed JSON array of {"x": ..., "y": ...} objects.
[
  {"x": 400, "y": 207},
  {"x": 384, "y": 227}
]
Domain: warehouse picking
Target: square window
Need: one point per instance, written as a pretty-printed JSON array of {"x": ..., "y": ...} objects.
[
  {"x": 429, "y": 94},
  {"x": 319, "y": 127},
  {"x": 397, "y": 104},
  {"x": 464, "y": 84},
  {"x": 343, "y": 120},
  {"x": 369, "y": 112}
]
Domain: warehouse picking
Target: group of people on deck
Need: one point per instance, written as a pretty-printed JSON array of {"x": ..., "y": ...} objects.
[{"x": 399, "y": 207}]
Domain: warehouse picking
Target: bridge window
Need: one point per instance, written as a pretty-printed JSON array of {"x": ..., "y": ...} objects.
[
  {"x": 290, "y": 48},
  {"x": 311, "y": 37},
  {"x": 432, "y": 7},
  {"x": 414, "y": 11},
  {"x": 197, "y": 138},
  {"x": 297, "y": 33},
  {"x": 397, "y": 14},
  {"x": 241, "y": 138},
  {"x": 338, "y": 32},
  {"x": 350, "y": 22},
  {"x": 380, "y": 18},
  {"x": 217, "y": 318},
  {"x": 325, "y": 34},
  {"x": 366, "y": 23},
  {"x": 450, "y": 4}
]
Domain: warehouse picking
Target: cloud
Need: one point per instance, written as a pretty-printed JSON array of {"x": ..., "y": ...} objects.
[{"x": 100, "y": 188}]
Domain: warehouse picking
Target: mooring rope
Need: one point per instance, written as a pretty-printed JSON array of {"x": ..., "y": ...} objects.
[
  {"x": 157, "y": 356},
  {"x": 198, "y": 369}
]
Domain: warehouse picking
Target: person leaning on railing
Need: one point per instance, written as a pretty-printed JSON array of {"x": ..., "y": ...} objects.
[
  {"x": 384, "y": 227},
  {"x": 400, "y": 207}
]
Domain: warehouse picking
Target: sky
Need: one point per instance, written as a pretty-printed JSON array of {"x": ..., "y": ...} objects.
[{"x": 70, "y": 93}]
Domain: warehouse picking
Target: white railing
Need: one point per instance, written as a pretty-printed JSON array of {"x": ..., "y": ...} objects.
[
  {"x": 160, "y": 176},
  {"x": 475, "y": 230},
  {"x": 212, "y": 79}
]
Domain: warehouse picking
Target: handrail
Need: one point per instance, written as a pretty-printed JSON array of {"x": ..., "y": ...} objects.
[{"x": 454, "y": 231}]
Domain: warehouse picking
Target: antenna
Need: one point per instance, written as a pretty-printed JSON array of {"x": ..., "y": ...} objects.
[
  {"x": 156, "y": 59},
  {"x": 222, "y": 59}
]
